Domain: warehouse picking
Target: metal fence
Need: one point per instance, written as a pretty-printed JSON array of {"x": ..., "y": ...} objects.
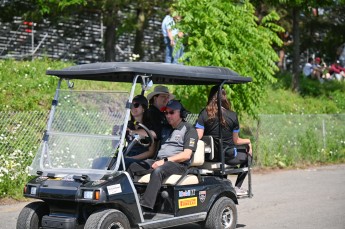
[
  {"x": 277, "y": 139},
  {"x": 284, "y": 140},
  {"x": 20, "y": 137}
]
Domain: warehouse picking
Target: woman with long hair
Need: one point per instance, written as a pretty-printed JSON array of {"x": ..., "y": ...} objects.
[
  {"x": 139, "y": 114},
  {"x": 208, "y": 124}
]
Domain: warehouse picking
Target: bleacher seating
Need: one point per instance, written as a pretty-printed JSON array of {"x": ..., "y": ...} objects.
[{"x": 78, "y": 39}]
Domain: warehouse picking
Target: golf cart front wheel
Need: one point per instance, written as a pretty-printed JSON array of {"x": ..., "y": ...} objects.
[
  {"x": 107, "y": 219},
  {"x": 31, "y": 215},
  {"x": 223, "y": 215}
]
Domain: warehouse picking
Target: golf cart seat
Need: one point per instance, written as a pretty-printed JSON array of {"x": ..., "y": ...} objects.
[
  {"x": 209, "y": 156},
  {"x": 187, "y": 178},
  {"x": 215, "y": 167}
]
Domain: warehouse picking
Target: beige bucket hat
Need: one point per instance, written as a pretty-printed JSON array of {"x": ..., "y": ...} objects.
[{"x": 160, "y": 90}]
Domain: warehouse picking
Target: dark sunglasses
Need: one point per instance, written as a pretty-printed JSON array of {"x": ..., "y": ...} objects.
[
  {"x": 136, "y": 105},
  {"x": 169, "y": 112}
]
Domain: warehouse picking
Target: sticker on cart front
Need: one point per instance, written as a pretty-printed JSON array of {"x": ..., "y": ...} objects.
[
  {"x": 113, "y": 189},
  {"x": 187, "y": 202}
]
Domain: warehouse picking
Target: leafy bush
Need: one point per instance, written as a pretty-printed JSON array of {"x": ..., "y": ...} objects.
[{"x": 227, "y": 34}]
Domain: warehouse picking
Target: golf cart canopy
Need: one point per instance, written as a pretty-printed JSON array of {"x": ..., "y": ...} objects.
[
  {"x": 160, "y": 73},
  {"x": 86, "y": 130}
]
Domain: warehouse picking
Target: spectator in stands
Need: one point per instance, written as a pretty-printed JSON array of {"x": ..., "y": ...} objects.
[
  {"x": 173, "y": 157},
  {"x": 208, "y": 124},
  {"x": 157, "y": 100},
  {"x": 337, "y": 71}
]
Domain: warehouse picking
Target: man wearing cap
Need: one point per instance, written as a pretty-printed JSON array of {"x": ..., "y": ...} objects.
[
  {"x": 317, "y": 69},
  {"x": 174, "y": 155},
  {"x": 157, "y": 100}
]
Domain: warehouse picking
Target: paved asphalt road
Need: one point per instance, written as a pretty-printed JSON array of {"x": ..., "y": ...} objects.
[{"x": 311, "y": 198}]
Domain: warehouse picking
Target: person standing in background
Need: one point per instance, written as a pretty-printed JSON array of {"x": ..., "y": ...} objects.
[
  {"x": 178, "y": 49},
  {"x": 287, "y": 40},
  {"x": 168, "y": 21},
  {"x": 171, "y": 35}
]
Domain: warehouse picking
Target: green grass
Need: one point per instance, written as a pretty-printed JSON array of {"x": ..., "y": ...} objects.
[
  {"x": 314, "y": 98},
  {"x": 291, "y": 124},
  {"x": 24, "y": 85}
]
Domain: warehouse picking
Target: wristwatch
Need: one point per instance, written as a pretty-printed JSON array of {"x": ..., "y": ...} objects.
[{"x": 165, "y": 159}]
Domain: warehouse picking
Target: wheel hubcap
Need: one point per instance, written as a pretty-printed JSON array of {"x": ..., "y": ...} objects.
[
  {"x": 227, "y": 217},
  {"x": 116, "y": 225}
]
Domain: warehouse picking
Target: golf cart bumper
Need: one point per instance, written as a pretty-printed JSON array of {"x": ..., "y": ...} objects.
[{"x": 59, "y": 222}]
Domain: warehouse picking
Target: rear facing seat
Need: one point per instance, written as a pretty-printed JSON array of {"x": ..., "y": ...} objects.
[{"x": 209, "y": 155}]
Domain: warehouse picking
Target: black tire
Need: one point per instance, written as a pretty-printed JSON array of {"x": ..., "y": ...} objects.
[
  {"x": 31, "y": 215},
  {"x": 107, "y": 219},
  {"x": 223, "y": 215}
]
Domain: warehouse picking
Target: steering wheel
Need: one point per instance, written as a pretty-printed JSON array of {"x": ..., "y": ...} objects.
[{"x": 150, "y": 138}]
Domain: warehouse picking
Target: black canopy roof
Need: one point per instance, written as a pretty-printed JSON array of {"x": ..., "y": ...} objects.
[{"x": 161, "y": 73}]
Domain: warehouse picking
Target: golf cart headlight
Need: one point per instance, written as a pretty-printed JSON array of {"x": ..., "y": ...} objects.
[
  {"x": 88, "y": 195},
  {"x": 33, "y": 190}
]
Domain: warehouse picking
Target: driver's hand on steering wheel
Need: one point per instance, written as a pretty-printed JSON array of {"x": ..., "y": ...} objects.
[{"x": 129, "y": 134}]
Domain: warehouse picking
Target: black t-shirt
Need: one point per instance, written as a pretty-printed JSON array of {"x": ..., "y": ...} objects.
[
  {"x": 159, "y": 123},
  {"x": 211, "y": 127}
]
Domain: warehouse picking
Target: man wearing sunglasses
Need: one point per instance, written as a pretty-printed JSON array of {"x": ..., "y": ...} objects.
[{"x": 173, "y": 157}]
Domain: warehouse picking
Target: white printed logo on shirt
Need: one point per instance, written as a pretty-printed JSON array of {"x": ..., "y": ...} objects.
[{"x": 191, "y": 142}]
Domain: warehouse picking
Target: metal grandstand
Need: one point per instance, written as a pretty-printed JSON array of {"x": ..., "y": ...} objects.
[{"x": 78, "y": 39}]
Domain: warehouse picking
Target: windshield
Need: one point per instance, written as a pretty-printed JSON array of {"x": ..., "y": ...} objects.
[{"x": 84, "y": 133}]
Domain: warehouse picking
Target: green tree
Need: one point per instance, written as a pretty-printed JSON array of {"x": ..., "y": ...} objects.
[
  {"x": 144, "y": 11},
  {"x": 227, "y": 33}
]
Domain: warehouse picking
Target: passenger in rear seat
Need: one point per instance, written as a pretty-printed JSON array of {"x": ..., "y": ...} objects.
[
  {"x": 174, "y": 155},
  {"x": 208, "y": 124}
]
